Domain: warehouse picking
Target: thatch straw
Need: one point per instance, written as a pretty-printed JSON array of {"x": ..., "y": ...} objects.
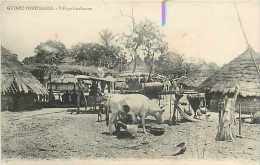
[
  {"x": 15, "y": 77},
  {"x": 64, "y": 79},
  {"x": 242, "y": 71},
  {"x": 196, "y": 78},
  {"x": 83, "y": 70}
]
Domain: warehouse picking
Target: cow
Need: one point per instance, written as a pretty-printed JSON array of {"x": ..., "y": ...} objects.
[{"x": 136, "y": 105}]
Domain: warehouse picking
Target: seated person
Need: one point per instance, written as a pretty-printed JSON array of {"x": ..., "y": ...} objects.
[{"x": 126, "y": 117}]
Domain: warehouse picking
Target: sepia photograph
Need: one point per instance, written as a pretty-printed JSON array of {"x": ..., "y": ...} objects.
[{"x": 149, "y": 81}]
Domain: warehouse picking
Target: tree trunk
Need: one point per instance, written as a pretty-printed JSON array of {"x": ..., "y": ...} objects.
[
  {"x": 134, "y": 68},
  {"x": 226, "y": 127},
  {"x": 151, "y": 69},
  {"x": 50, "y": 89},
  {"x": 135, "y": 57}
]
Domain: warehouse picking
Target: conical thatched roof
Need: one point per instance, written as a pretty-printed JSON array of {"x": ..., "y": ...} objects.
[
  {"x": 196, "y": 78},
  {"x": 242, "y": 70},
  {"x": 15, "y": 78}
]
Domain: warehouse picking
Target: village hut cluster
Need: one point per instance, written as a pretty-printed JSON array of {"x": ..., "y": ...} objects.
[
  {"x": 62, "y": 85},
  {"x": 233, "y": 88}
]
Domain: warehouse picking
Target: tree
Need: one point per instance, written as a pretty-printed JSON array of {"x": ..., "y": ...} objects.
[
  {"x": 144, "y": 39},
  {"x": 96, "y": 54},
  {"x": 171, "y": 64},
  {"x": 107, "y": 38},
  {"x": 88, "y": 53},
  {"x": 29, "y": 60},
  {"x": 226, "y": 116},
  {"x": 213, "y": 66},
  {"x": 47, "y": 55},
  {"x": 113, "y": 50},
  {"x": 49, "y": 52}
]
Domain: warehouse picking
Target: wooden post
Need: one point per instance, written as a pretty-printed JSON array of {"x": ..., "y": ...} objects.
[
  {"x": 240, "y": 121},
  {"x": 50, "y": 89},
  {"x": 78, "y": 101},
  {"x": 170, "y": 106}
]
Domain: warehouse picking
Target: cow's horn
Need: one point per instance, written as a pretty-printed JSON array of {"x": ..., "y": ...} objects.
[{"x": 163, "y": 106}]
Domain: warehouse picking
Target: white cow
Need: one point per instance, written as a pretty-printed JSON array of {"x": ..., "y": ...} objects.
[{"x": 138, "y": 106}]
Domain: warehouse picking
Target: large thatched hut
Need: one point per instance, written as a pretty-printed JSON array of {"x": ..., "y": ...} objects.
[
  {"x": 19, "y": 88},
  {"x": 244, "y": 71}
]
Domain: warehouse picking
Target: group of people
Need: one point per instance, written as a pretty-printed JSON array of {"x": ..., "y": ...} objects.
[
  {"x": 76, "y": 96},
  {"x": 67, "y": 98},
  {"x": 70, "y": 97}
]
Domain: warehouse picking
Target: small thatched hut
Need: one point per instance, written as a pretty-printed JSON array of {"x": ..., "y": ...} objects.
[
  {"x": 196, "y": 78},
  {"x": 244, "y": 71},
  {"x": 19, "y": 88}
]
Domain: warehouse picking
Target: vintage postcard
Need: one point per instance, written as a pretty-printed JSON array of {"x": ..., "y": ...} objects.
[{"x": 130, "y": 81}]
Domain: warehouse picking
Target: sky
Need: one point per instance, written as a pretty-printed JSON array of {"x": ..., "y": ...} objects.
[{"x": 204, "y": 29}]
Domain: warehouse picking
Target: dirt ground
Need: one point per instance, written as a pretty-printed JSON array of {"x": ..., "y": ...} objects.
[{"x": 54, "y": 133}]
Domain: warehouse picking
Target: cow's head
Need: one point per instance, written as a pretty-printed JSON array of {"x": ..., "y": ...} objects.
[{"x": 158, "y": 114}]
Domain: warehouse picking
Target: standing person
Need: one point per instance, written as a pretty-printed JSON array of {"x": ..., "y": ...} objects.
[
  {"x": 93, "y": 89},
  {"x": 178, "y": 96},
  {"x": 74, "y": 97},
  {"x": 78, "y": 96},
  {"x": 103, "y": 86},
  {"x": 227, "y": 118}
]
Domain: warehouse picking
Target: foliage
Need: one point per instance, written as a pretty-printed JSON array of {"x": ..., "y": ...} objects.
[
  {"x": 145, "y": 40},
  {"x": 111, "y": 42},
  {"x": 170, "y": 64},
  {"x": 47, "y": 55},
  {"x": 49, "y": 52},
  {"x": 107, "y": 38},
  {"x": 175, "y": 65},
  {"x": 114, "y": 51},
  {"x": 96, "y": 54}
]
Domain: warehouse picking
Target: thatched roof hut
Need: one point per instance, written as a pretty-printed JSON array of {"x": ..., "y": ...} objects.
[
  {"x": 244, "y": 71},
  {"x": 18, "y": 85},
  {"x": 196, "y": 78},
  {"x": 15, "y": 77},
  {"x": 241, "y": 70}
]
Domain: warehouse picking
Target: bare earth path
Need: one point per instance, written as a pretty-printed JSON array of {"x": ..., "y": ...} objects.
[{"x": 55, "y": 134}]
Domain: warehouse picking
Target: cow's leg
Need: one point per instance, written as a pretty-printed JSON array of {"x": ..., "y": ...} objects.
[
  {"x": 143, "y": 123},
  {"x": 100, "y": 113},
  {"x": 111, "y": 123},
  {"x": 99, "y": 116},
  {"x": 195, "y": 115},
  {"x": 117, "y": 126}
]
